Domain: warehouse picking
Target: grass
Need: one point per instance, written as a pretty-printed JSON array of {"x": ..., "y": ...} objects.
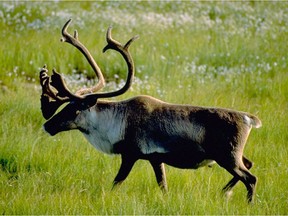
[{"x": 220, "y": 54}]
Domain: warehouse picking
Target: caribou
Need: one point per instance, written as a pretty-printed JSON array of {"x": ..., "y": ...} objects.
[{"x": 143, "y": 127}]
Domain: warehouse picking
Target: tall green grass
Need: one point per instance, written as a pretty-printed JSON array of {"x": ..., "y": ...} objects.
[{"x": 230, "y": 54}]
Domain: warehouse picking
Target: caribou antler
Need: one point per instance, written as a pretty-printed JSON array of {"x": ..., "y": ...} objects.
[
  {"x": 75, "y": 42},
  {"x": 54, "y": 89},
  {"x": 123, "y": 50}
]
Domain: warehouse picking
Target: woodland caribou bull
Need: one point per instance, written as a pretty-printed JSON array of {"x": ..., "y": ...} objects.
[{"x": 144, "y": 127}]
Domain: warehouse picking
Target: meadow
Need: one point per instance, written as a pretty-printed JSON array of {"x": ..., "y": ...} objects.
[{"x": 219, "y": 54}]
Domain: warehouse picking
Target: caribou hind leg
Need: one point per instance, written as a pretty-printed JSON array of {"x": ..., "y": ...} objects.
[
  {"x": 249, "y": 180},
  {"x": 240, "y": 172},
  {"x": 229, "y": 186}
]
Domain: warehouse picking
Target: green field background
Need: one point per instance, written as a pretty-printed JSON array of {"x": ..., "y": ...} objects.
[{"x": 219, "y": 54}]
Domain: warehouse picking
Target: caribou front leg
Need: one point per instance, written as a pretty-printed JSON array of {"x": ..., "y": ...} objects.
[{"x": 125, "y": 168}]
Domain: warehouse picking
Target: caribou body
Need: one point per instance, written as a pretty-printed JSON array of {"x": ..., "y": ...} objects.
[{"x": 144, "y": 127}]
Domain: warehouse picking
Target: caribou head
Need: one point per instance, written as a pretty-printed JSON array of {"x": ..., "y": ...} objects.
[{"x": 55, "y": 92}]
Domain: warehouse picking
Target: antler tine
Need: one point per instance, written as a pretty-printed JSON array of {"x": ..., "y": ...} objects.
[
  {"x": 126, "y": 46},
  {"x": 109, "y": 38},
  {"x": 75, "y": 42},
  {"x": 55, "y": 81},
  {"x": 50, "y": 100},
  {"x": 113, "y": 44},
  {"x": 45, "y": 83}
]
